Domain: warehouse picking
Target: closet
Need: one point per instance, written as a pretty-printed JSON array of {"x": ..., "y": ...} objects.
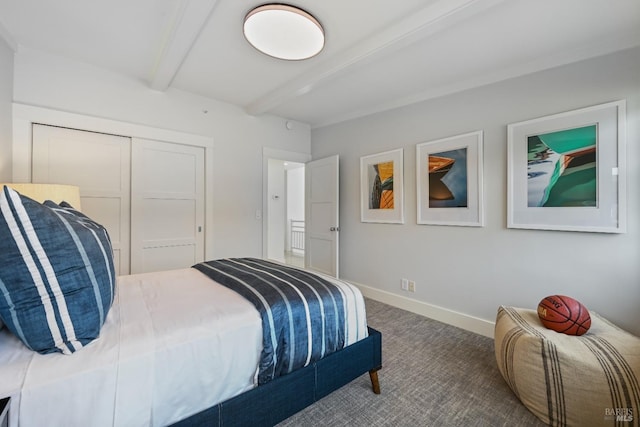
[{"x": 149, "y": 194}]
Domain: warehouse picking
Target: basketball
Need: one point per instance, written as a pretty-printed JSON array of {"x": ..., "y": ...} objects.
[{"x": 564, "y": 314}]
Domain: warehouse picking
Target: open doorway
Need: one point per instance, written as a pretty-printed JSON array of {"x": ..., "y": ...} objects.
[
  {"x": 285, "y": 211},
  {"x": 321, "y": 229}
]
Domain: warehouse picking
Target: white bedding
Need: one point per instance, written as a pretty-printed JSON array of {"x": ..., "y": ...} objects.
[{"x": 174, "y": 343}]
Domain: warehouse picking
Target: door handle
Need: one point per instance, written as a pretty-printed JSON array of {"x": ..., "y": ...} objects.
[{"x": 334, "y": 229}]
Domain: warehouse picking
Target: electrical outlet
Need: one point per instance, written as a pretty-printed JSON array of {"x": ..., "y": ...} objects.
[
  {"x": 404, "y": 284},
  {"x": 412, "y": 286}
]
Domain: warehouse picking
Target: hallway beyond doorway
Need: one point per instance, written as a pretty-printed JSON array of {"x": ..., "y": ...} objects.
[{"x": 293, "y": 259}]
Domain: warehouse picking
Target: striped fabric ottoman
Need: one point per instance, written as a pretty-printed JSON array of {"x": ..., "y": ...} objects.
[{"x": 590, "y": 380}]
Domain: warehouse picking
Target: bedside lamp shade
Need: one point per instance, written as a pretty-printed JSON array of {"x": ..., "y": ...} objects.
[{"x": 55, "y": 192}]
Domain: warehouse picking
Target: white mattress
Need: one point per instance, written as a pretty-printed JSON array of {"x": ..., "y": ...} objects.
[{"x": 174, "y": 343}]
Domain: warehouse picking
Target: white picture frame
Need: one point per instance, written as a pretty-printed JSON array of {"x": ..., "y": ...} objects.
[
  {"x": 382, "y": 187},
  {"x": 449, "y": 182},
  {"x": 558, "y": 180}
]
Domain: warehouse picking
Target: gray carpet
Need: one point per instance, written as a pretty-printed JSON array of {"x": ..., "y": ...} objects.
[{"x": 433, "y": 374}]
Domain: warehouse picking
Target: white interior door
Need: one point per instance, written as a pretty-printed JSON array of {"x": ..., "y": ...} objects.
[
  {"x": 97, "y": 163},
  {"x": 322, "y": 215},
  {"x": 167, "y": 205}
]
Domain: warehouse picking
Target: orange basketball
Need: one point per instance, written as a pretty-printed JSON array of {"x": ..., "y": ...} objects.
[{"x": 564, "y": 314}]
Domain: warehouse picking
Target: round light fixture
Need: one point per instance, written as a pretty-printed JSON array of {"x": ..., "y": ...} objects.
[{"x": 284, "y": 32}]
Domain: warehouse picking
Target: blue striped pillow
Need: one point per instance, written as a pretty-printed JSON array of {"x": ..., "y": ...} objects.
[{"x": 57, "y": 278}]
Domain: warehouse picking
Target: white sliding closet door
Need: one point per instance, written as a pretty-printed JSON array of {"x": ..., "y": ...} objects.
[
  {"x": 99, "y": 164},
  {"x": 167, "y": 205}
]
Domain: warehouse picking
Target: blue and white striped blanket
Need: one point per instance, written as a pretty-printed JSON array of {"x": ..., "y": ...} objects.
[{"x": 303, "y": 313}]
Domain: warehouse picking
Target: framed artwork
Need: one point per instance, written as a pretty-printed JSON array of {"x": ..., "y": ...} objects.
[
  {"x": 449, "y": 181},
  {"x": 567, "y": 171},
  {"x": 381, "y": 187}
]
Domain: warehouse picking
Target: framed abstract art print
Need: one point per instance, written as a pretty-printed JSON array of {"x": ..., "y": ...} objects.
[
  {"x": 381, "y": 187},
  {"x": 567, "y": 171},
  {"x": 449, "y": 181}
]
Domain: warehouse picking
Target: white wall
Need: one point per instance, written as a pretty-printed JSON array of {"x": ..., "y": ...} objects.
[
  {"x": 295, "y": 193},
  {"x": 6, "y": 98},
  {"x": 276, "y": 215},
  {"x": 468, "y": 272},
  {"x": 295, "y": 199},
  {"x": 53, "y": 82}
]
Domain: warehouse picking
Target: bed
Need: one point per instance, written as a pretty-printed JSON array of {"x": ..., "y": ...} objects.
[{"x": 173, "y": 347}]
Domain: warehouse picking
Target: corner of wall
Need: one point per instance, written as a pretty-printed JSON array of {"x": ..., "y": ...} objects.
[
  {"x": 6, "y": 99},
  {"x": 6, "y": 36}
]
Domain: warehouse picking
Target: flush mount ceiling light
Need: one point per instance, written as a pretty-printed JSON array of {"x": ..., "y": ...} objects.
[{"x": 284, "y": 32}]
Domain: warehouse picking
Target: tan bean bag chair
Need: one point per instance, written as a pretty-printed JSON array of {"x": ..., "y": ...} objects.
[{"x": 590, "y": 380}]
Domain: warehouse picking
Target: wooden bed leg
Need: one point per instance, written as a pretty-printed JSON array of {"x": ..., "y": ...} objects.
[{"x": 373, "y": 374}]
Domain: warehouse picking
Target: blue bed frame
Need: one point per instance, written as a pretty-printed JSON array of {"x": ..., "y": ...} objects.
[{"x": 277, "y": 400}]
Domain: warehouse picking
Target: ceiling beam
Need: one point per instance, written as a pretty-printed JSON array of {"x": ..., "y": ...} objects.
[
  {"x": 426, "y": 22},
  {"x": 186, "y": 25}
]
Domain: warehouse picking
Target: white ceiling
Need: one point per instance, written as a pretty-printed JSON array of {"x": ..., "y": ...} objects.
[{"x": 378, "y": 54}]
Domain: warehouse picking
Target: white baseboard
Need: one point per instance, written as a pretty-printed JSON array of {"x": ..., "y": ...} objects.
[{"x": 460, "y": 320}]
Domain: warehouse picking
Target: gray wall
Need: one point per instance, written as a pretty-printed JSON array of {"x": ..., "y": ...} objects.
[
  {"x": 6, "y": 97},
  {"x": 474, "y": 270}
]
